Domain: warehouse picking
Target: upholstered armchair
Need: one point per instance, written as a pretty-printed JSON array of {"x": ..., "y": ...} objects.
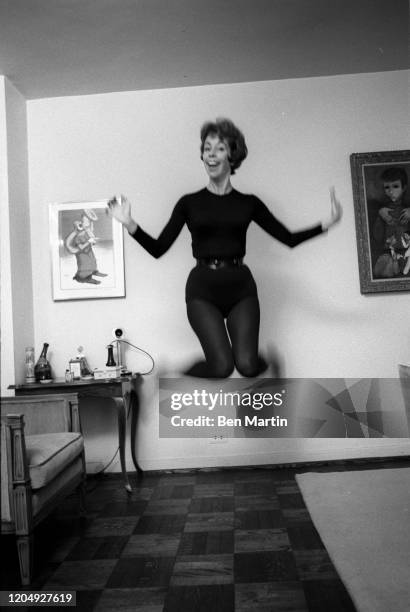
[{"x": 42, "y": 461}]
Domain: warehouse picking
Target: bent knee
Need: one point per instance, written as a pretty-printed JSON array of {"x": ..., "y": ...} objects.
[
  {"x": 222, "y": 369},
  {"x": 248, "y": 367}
]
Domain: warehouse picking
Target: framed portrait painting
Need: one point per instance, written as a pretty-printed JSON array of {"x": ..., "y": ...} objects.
[
  {"x": 382, "y": 214},
  {"x": 87, "y": 257}
]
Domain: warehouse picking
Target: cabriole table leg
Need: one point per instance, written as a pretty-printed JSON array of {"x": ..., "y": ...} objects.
[{"x": 122, "y": 421}]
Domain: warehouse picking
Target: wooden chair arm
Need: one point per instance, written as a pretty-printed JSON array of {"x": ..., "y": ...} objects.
[
  {"x": 16, "y": 489},
  {"x": 16, "y": 448}
]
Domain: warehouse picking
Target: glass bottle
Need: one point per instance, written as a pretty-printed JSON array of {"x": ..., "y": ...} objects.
[
  {"x": 68, "y": 376},
  {"x": 29, "y": 365},
  {"x": 42, "y": 369}
]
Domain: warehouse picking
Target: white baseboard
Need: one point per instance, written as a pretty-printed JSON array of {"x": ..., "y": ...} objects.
[{"x": 399, "y": 447}]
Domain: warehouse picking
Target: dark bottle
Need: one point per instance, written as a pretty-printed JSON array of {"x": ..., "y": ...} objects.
[
  {"x": 110, "y": 358},
  {"x": 42, "y": 369}
]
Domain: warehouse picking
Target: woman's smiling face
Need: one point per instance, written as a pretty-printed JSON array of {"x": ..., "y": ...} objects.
[{"x": 216, "y": 158}]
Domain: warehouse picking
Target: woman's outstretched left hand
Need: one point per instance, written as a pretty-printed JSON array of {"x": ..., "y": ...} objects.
[{"x": 336, "y": 211}]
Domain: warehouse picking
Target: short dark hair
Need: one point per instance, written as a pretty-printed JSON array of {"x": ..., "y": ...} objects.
[
  {"x": 395, "y": 173},
  {"x": 226, "y": 130}
]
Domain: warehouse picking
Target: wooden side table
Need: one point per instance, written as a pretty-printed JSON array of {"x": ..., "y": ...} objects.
[{"x": 123, "y": 392}]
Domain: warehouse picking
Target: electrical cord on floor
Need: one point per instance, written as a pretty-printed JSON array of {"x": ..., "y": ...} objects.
[{"x": 101, "y": 471}]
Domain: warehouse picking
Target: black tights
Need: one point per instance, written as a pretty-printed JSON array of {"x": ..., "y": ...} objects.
[{"x": 223, "y": 352}]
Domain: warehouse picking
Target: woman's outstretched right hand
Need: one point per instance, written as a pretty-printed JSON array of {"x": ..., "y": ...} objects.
[
  {"x": 120, "y": 209},
  {"x": 336, "y": 211}
]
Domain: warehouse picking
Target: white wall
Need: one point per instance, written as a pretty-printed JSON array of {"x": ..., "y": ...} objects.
[
  {"x": 16, "y": 279},
  {"x": 145, "y": 144}
]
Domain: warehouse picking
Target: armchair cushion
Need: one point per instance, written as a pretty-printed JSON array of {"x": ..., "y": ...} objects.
[
  {"x": 42, "y": 497},
  {"x": 50, "y": 454}
]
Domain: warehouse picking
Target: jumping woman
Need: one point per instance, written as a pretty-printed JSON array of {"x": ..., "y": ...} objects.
[{"x": 221, "y": 287}]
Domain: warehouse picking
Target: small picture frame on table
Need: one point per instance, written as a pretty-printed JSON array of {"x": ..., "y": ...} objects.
[
  {"x": 382, "y": 213},
  {"x": 75, "y": 369}
]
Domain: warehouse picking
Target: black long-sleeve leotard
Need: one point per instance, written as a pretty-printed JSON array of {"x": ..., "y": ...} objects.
[{"x": 218, "y": 225}]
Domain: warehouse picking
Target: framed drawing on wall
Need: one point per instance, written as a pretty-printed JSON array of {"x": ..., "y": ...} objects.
[
  {"x": 87, "y": 258},
  {"x": 382, "y": 213}
]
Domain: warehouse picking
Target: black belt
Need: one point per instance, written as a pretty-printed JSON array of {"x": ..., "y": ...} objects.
[{"x": 215, "y": 263}]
